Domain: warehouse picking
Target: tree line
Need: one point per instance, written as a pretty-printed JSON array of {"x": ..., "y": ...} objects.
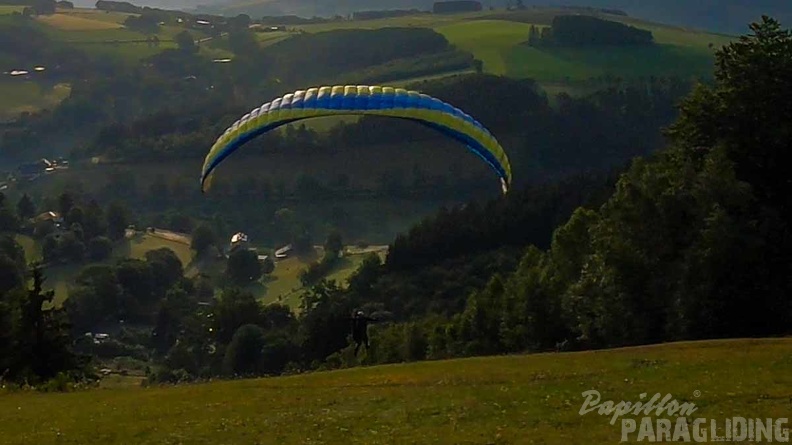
[{"x": 585, "y": 30}]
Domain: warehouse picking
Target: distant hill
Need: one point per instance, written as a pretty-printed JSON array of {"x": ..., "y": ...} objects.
[{"x": 724, "y": 16}]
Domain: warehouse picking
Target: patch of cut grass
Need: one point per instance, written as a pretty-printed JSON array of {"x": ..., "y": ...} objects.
[
  {"x": 97, "y": 14},
  {"x": 72, "y": 22},
  {"x": 488, "y": 40},
  {"x": 137, "y": 246},
  {"x": 30, "y": 246}
]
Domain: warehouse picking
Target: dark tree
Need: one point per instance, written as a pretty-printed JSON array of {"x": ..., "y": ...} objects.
[
  {"x": 203, "y": 237},
  {"x": 267, "y": 266},
  {"x": 166, "y": 267},
  {"x": 8, "y": 219},
  {"x": 186, "y": 43},
  {"x": 582, "y": 30},
  {"x": 25, "y": 207},
  {"x": 333, "y": 245},
  {"x": 243, "y": 266},
  {"x": 747, "y": 111},
  {"x": 244, "y": 354},
  {"x": 100, "y": 248},
  {"x": 117, "y": 221},
  {"x": 65, "y": 203},
  {"x": 43, "y": 346},
  {"x": 243, "y": 42},
  {"x": 234, "y": 309}
]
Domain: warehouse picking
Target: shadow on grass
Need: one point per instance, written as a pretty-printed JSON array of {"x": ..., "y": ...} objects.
[{"x": 578, "y": 63}]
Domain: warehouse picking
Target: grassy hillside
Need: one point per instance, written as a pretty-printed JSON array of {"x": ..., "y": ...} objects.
[
  {"x": 494, "y": 37},
  {"x": 515, "y": 399},
  {"x": 497, "y": 39},
  {"x": 92, "y": 31},
  {"x": 20, "y": 96},
  {"x": 10, "y": 9},
  {"x": 60, "y": 278},
  {"x": 284, "y": 286},
  {"x": 499, "y": 44}
]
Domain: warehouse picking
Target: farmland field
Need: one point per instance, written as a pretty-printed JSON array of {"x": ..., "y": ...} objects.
[
  {"x": 497, "y": 39},
  {"x": 71, "y": 22},
  {"x": 21, "y": 95},
  {"x": 137, "y": 246},
  {"x": 499, "y": 44},
  {"x": 10, "y": 9},
  {"x": 284, "y": 286},
  {"x": 509, "y": 399}
]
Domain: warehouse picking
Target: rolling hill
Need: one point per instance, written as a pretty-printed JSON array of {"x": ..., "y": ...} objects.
[
  {"x": 495, "y": 37},
  {"x": 723, "y": 16},
  {"x": 494, "y": 400},
  {"x": 95, "y": 32}
]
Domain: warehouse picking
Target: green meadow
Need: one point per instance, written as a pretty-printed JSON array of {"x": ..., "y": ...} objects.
[
  {"x": 20, "y": 95},
  {"x": 490, "y": 400},
  {"x": 500, "y": 44},
  {"x": 10, "y": 9}
]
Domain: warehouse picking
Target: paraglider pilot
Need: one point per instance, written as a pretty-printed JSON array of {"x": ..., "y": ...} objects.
[{"x": 360, "y": 330}]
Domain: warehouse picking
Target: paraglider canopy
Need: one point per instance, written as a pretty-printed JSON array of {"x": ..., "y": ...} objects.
[{"x": 360, "y": 100}]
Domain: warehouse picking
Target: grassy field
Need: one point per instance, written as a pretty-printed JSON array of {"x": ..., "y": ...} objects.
[
  {"x": 499, "y": 44},
  {"x": 60, "y": 278},
  {"x": 97, "y": 15},
  {"x": 494, "y": 400},
  {"x": 268, "y": 38},
  {"x": 21, "y": 95},
  {"x": 497, "y": 39},
  {"x": 284, "y": 286},
  {"x": 137, "y": 246},
  {"x": 489, "y": 40},
  {"x": 10, "y": 9},
  {"x": 74, "y": 22},
  {"x": 102, "y": 33}
]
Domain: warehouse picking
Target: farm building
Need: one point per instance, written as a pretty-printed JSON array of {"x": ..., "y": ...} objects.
[
  {"x": 50, "y": 216},
  {"x": 283, "y": 252}
]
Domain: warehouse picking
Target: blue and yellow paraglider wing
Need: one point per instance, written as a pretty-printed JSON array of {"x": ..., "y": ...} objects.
[{"x": 360, "y": 100}]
